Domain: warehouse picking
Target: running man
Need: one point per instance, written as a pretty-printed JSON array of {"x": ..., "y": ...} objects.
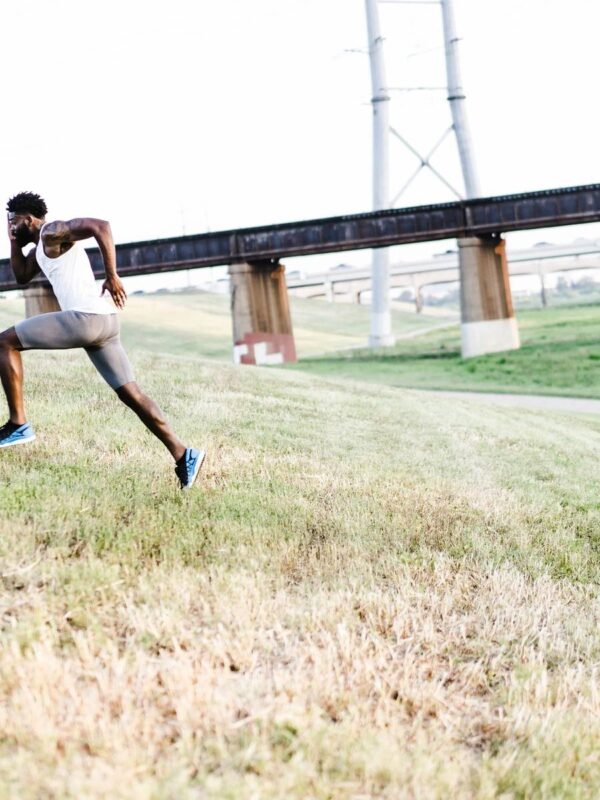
[{"x": 86, "y": 319}]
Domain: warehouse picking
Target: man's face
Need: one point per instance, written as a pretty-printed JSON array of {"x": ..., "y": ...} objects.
[{"x": 20, "y": 226}]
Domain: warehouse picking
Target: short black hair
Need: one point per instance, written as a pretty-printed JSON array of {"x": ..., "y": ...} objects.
[{"x": 27, "y": 203}]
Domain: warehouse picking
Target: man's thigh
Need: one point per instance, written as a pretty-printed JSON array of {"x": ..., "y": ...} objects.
[{"x": 58, "y": 330}]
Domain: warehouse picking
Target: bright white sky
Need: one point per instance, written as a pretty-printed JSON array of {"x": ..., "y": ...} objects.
[{"x": 190, "y": 115}]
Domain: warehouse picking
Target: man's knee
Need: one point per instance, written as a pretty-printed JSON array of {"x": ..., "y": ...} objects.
[
  {"x": 130, "y": 393},
  {"x": 9, "y": 340}
]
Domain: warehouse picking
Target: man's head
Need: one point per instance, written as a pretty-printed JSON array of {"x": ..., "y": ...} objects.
[{"x": 26, "y": 214}]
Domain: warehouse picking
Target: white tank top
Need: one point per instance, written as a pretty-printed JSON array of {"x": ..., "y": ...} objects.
[{"x": 72, "y": 280}]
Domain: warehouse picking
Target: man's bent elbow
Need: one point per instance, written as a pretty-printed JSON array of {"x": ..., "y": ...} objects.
[
  {"x": 20, "y": 277},
  {"x": 103, "y": 226}
]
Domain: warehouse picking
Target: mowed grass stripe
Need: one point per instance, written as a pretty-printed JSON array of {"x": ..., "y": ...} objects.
[{"x": 559, "y": 354}]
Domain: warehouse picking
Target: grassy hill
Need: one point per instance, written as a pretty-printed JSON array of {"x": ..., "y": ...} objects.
[
  {"x": 371, "y": 593},
  {"x": 560, "y": 351},
  {"x": 200, "y": 324}
]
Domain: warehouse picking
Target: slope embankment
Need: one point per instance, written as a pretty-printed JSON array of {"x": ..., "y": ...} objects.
[{"x": 372, "y": 592}]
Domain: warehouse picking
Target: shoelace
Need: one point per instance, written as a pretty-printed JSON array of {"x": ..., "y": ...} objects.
[{"x": 182, "y": 470}]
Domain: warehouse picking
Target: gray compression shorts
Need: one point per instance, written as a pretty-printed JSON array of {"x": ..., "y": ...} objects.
[{"x": 98, "y": 334}]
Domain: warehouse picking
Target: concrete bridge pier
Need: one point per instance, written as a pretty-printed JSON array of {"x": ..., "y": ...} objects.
[
  {"x": 488, "y": 319},
  {"x": 418, "y": 300},
  {"x": 543, "y": 295},
  {"x": 418, "y": 295},
  {"x": 40, "y": 299},
  {"x": 260, "y": 312}
]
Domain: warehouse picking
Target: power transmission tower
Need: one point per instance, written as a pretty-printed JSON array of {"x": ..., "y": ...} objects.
[
  {"x": 487, "y": 318},
  {"x": 381, "y": 323}
]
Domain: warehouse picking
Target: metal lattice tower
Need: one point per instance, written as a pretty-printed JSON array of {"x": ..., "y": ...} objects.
[{"x": 381, "y": 334}]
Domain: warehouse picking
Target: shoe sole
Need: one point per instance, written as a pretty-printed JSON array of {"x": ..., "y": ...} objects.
[
  {"x": 201, "y": 458},
  {"x": 19, "y": 441}
]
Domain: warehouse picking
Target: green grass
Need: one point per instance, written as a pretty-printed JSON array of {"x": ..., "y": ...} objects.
[
  {"x": 559, "y": 354},
  {"x": 372, "y": 592}
]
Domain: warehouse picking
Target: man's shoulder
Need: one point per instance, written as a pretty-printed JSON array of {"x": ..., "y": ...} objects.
[{"x": 55, "y": 229}]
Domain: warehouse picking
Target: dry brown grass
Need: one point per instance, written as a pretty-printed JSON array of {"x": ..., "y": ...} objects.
[
  {"x": 437, "y": 682},
  {"x": 372, "y": 594}
]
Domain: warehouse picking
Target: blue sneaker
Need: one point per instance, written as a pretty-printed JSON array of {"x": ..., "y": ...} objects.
[
  {"x": 188, "y": 467},
  {"x": 16, "y": 434}
]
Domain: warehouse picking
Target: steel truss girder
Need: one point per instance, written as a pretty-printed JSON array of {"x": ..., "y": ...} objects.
[{"x": 479, "y": 217}]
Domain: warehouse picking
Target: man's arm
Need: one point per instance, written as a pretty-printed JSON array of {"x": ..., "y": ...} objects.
[
  {"x": 24, "y": 267},
  {"x": 59, "y": 236}
]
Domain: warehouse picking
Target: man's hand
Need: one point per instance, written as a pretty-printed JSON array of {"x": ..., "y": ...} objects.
[
  {"x": 116, "y": 290},
  {"x": 11, "y": 234}
]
